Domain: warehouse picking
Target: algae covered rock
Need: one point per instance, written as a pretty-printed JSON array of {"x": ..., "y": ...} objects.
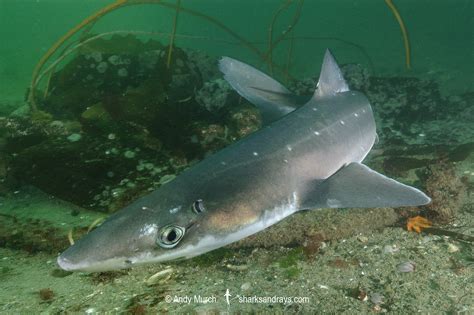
[{"x": 113, "y": 109}]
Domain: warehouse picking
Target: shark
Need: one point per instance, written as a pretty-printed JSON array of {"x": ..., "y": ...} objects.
[{"x": 307, "y": 155}]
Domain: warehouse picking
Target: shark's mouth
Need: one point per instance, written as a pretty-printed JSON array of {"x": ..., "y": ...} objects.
[{"x": 105, "y": 265}]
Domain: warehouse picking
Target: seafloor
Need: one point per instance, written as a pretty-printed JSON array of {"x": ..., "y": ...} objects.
[{"x": 322, "y": 261}]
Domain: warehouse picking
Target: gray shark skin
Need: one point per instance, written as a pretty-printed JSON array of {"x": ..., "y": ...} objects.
[{"x": 303, "y": 158}]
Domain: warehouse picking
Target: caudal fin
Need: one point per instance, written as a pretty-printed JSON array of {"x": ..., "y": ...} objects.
[{"x": 272, "y": 98}]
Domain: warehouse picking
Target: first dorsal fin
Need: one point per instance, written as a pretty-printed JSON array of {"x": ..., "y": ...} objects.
[{"x": 331, "y": 80}]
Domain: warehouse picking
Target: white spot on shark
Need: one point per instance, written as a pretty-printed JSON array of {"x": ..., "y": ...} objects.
[
  {"x": 317, "y": 133},
  {"x": 355, "y": 114},
  {"x": 333, "y": 203},
  {"x": 255, "y": 153},
  {"x": 174, "y": 210},
  {"x": 148, "y": 229},
  {"x": 342, "y": 122},
  {"x": 289, "y": 148},
  {"x": 315, "y": 109},
  {"x": 223, "y": 163}
]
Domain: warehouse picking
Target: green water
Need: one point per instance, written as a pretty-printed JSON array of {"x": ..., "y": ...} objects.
[
  {"x": 440, "y": 33},
  {"x": 95, "y": 146}
]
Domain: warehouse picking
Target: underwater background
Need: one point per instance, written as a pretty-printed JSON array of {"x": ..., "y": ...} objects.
[{"x": 92, "y": 121}]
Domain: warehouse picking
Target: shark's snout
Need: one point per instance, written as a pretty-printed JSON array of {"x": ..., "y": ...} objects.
[
  {"x": 66, "y": 264},
  {"x": 78, "y": 257},
  {"x": 72, "y": 260},
  {"x": 86, "y": 253},
  {"x": 95, "y": 252},
  {"x": 116, "y": 244}
]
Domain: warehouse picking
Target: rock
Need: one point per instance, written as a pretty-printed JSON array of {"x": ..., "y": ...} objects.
[
  {"x": 74, "y": 137},
  {"x": 160, "y": 277},
  {"x": 246, "y": 286},
  {"x": 452, "y": 248},
  {"x": 166, "y": 179}
]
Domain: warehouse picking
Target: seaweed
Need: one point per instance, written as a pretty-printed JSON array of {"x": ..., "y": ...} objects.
[
  {"x": 289, "y": 262},
  {"x": 108, "y": 140},
  {"x": 106, "y": 95},
  {"x": 291, "y": 258},
  {"x": 406, "y": 41},
  {"x": 266, "y": 56},
  {"x": 46, "y": 294},
  {"x": 30, "y": 235}
]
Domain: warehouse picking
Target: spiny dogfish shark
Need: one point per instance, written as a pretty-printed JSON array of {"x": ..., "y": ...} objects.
[{"x": 304, "y": 157}]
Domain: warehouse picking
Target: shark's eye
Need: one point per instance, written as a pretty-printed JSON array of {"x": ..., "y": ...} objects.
[
  {"x": 198, "y": 206},
  {"x": 170, "y": 236}
]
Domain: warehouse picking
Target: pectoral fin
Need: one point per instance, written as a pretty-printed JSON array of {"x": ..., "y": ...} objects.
[{"x": 358, "y": 186}]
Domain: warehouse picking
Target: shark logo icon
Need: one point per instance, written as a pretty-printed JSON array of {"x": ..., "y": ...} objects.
[{"x": 227, "y": 295}]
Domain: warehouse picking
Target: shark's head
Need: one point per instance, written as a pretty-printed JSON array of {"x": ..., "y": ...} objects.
[
  {"x": 142, "y": 232},
  {"x": 171, "y": 223}
]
